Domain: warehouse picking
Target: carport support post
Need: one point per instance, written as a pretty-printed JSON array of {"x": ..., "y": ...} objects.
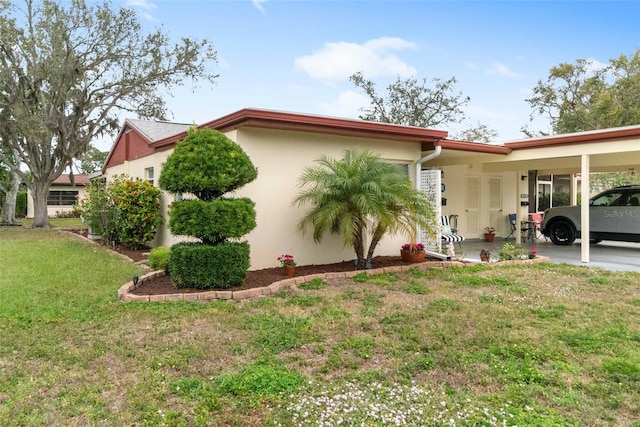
[
  {"x": 584, "y": 209},
  {"x": 518, "y": 232}
]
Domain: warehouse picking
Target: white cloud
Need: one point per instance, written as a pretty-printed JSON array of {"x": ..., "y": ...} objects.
[
  {"x": 258, "y": 5},
  {"x": 347, "y": 105},
  {"x": 486, "y": 113},
  {"x": 142, "y": 7},
  {"x": 337, "y": 61},
  {"x": 142, "y": 4},
  {"x": 502, "y": 70},
  {"x": 594, "y": 65}
]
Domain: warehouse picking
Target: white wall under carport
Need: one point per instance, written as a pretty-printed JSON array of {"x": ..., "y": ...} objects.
[{"x": 584, "y": 152}]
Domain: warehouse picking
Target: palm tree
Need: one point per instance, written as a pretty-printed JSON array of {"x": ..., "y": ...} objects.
[{"x": 359, "y": 195}]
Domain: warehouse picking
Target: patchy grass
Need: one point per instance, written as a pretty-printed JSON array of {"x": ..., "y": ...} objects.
[
  {"x": 535, "y": 345},
  {"x": 75, "y": 223}
]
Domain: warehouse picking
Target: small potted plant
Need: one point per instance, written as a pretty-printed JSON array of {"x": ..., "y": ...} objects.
[
  {"x": 490, "y": 233},
  {"x": 413, "y": 252},
  {"x": 288, "y": 264},
  {"x": 533, "y": 253}
]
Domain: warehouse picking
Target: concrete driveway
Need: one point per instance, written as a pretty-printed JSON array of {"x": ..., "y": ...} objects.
[{"x": 609, "y": 255}]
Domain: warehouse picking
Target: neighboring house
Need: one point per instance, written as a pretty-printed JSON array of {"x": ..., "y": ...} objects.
[
  {"x": 63, "y": 195},
  {"x": 483, "y": 183}
]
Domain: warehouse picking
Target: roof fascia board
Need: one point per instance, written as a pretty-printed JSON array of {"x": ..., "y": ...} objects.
[
  {"x": 472, "y": 147},
  {"x": 308, "y": 123},
  {"x": 628, "y": 132},
  {"x": 117, "y": 140},
  {"x": 591, "y": 148},
  {"x": 312, "y": 123}
]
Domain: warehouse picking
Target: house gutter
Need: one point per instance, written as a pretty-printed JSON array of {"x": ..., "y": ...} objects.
[
  {"x": 425, "y": 159},
  {"x": 437, "y": 151}
]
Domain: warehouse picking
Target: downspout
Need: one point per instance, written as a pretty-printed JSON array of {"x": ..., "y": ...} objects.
[
  {"x": 425, "y": 159},
  {"x": 419, "y": 163}
]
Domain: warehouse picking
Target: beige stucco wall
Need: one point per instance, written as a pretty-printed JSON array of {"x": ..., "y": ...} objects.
[
  {"x": 281, "y": 157},
  {"x": 53, "y": 210},
  {"x": 455, "y": 183}
]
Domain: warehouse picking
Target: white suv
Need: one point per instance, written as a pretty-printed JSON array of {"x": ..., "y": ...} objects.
[{"x": 613, "y": 215}]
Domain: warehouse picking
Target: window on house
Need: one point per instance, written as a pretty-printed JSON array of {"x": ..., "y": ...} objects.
[
  {"x": 148, "y": 174},
  {"x": 62, "y": 198},
  {"x": 404, "y": 167}
]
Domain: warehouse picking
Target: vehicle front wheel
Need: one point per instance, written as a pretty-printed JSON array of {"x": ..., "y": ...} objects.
[{"x": 562, "y": 233}]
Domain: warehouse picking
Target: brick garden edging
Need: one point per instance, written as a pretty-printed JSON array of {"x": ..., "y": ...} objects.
[{"x": 124, "y": 293}]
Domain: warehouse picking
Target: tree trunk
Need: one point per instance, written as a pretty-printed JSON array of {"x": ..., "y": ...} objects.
[
  {"x": 377, "y": 236},
  {"x": 358, "y": 245},
  {"x": 9, "y": 206},
  {"x": 40, "y": 193}
]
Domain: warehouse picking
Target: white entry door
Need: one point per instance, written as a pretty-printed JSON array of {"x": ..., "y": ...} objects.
[
  {"x": 496, "y": 218},
  {"x": 472, "y": 205}
]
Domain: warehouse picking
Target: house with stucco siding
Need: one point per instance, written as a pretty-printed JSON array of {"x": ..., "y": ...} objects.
[
  {"x": 64, "y": 194},
  {"x": 478, "y": 184}
]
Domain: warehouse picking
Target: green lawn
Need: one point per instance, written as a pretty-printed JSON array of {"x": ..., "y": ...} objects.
[
  {"x": 57, "y": 222},
  {"x": 543, "y": 345}
]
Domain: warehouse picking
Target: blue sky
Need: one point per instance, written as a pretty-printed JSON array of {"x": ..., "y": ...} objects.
[{"x": 297, "y": 55}]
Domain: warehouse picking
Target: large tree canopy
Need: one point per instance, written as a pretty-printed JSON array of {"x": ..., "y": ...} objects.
[
  {"x": 411, "y": 103},
  {"x": 92, "y": 160},
  {"x": 581, "y": 96},
  {"x": 66, "y": 72}
]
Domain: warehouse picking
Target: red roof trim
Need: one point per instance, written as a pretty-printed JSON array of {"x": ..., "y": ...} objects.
[
  {"x": 121, "y": 132},
  {"x": 473, "y": 147},
  {"x": 80, "y": 180},
  {"x": 577, "y": 138},
  {"x": 310, "y": 123}
]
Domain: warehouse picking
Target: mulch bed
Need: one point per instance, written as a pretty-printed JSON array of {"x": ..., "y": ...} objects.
[
  {"x": 255, "y": 278},
  {"x": 261, "y": 278}
]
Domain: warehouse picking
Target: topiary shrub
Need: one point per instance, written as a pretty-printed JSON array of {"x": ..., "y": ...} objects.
[
  {"x": 213, "y": 221},
  {"x": 202, "y": 266},
  {"x": 159, "y": 258},
  {"x": 207, "y": 164}
]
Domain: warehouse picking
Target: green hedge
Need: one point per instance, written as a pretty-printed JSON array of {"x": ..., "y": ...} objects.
[
  {"x": 214, "y": 221},
  {"x": 201, "y": 266}
]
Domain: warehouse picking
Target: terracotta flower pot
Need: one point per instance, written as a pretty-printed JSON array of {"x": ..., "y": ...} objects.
[
  {"x": 289, "y": 270},
  {"x": 489, "y": 237},
  {"x": 409, "y": 256}
]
